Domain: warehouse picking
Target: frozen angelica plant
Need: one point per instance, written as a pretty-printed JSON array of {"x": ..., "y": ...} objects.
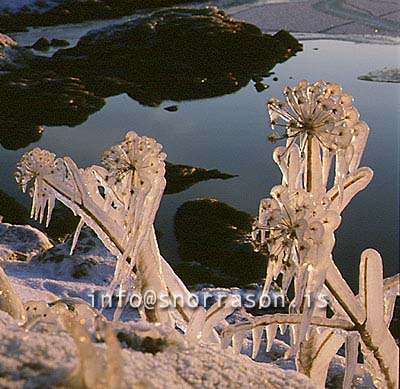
[
  {"x": 320, "y": 169},
  {"x": 119, "y": 202},
  {"x": 320, "y": 175}
]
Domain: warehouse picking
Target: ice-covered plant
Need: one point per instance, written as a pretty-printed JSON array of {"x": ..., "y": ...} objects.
[
  {"x": 119, "y": 202},
  {"x": 320, "y": 175}
]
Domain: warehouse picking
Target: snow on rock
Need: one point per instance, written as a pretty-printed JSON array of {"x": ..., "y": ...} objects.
[
  {"x": 5, "y": 40},
  {"x": 55, "y": 273},
  {"x": 11, "y": 55},
  {"x": 382, "y": 75},
  {"x": 153, "y": 356},
  {"x": 21, "y": 242}
]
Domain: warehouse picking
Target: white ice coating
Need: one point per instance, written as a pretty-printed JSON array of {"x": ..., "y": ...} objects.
[{"x": 296, "y": 227}]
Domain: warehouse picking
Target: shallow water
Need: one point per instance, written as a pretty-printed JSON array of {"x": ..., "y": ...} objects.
[{"x": 229, "y": 133}]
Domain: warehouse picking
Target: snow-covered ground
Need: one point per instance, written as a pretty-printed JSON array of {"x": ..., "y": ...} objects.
[{"x": 47, "y": 354}]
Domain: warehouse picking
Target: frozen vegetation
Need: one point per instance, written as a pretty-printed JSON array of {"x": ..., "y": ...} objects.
[{"x": 51, "y": 333}]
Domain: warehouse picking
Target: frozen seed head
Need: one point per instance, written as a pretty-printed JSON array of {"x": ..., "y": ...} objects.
[
  {"x": 135, "y": 154},
  {"x": 37, "y": 163},
  {"x": 318, "y": 110}
]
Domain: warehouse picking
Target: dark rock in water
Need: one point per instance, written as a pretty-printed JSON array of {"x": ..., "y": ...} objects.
[
  {"x": 42, "y": 44},
  {"x": 171, "y": 108},
  {"x": 30, "y": 100},
  {"x": 176, "y": 54},
  {"x": 47, "y": 99},
  {"x": 59, "y": 42},
  {"x": 260, "y": 87},
  {"x": 216, "y": 236},
  {"x": 15, "y": 134},
  {"x": 12, "y": 211},
  {"x": 182, "y": 177}
]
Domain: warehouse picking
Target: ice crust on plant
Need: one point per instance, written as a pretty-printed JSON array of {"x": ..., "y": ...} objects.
[
  {"x": 296, "y": 227},
  {"x": 119, "y": 202}
]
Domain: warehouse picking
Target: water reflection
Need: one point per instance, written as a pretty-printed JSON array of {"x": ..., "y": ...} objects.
[
  {"x": 229, "y": 133},
  {"x": 179, "y": 54}
]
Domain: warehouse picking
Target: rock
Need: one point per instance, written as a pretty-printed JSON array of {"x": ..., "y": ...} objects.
[
  {"x": 59, "y": 42},
  {"x": 217, "y": 236},
  {"x": 15, "y": 135},
  {"x": 171, "y": 108},
  {"x": 21, "y": 242},
  {"x": 31, "y": 100},
  {"x": 12, "y": 211},
  {"x": 42, "y": 44},
  {"x": 175, "y": 54},
  {"x": 11, "y": 55},
  {"x": 182, "y": 177},
  {"x": 260, "y": 87},
  {"x": 90, "y": 260}
]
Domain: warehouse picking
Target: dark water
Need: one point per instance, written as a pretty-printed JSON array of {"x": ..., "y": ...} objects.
[{"x": 229, "y": 133}]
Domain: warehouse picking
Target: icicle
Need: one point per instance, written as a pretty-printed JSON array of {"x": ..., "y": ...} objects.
[
  {"x": 360, "y": 136},
  {"x": 226, "y": 339},
  {"x": 351, "y": 359},
  {"x": 237, "y": 341},
  {"x": 76, "y": 236},
  {"x": 327, "y": 157},
  {"x": 282, "y": 328},
  {"x": 9, "y": 299},
  {"x": 271, "y": 334},
  {"x": 279, "y": 156},
  {"x": 50, "y": 206},
  {"x": 293, "y": 332},
  {"x": 217, "y": 313},
  {"x": 294, "y": 168},
  {"x": 257, "y": 335},
  {"x": 115, "y": 363},
  {"x": 195, "y": 326}
]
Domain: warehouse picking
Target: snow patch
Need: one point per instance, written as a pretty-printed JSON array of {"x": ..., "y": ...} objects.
[{"x": 382, "y": 75}]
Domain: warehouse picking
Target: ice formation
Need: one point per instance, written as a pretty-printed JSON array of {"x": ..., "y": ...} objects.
[{"x": 295, "y": 228}]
